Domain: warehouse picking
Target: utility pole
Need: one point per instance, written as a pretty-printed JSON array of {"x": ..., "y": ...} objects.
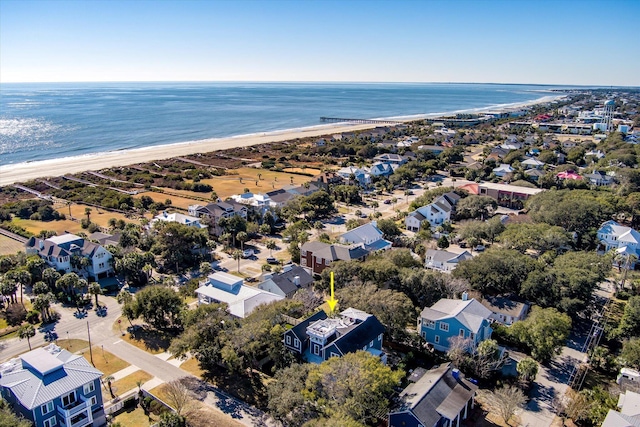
[{"x": 90, "y": 350}]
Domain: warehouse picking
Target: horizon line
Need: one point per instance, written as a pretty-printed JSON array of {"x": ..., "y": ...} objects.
[{"x": 324, "y": 82}]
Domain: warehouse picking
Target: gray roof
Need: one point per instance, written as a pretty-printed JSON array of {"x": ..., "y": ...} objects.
[
  {"x": 445, "y": 256},
  {"x": 64, "y": 245},
  {"x": 470, "y": 312},
  {"x": 437, "y": 394},
  {"x": 362, "y": 234},
  {"x": 62, "y": 372},
  {"x": 504, "y": 306},
  {"x": 616, "y": 419},
  {"x": 335, "y": 252},
  {"x": 285, "y": 280}
]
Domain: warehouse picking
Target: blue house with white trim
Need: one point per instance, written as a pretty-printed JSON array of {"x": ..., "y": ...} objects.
[
  {"x": 449, "y": 318},
  {"x": 320, "y": 337},
  {"x": 52, "y": 387}
]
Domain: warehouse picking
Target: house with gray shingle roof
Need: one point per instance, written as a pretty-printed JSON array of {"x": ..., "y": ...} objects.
[
  {"x": 444, "y": 260},
  {"x": 320, "y": 337},
  {"x": 435, "y": 213},
  {"x": 504, "y": 310},
  {"x": 368, "y": 235},
  {"x": 441, "y": 396},
  {"x": 449, "y": 318},
  {"x": 59, "y": 252},
  {"x": 52, "y": 387},
  {"x": 316, "y": 256},
  {"x": 287, "y": 282},
  {"x": 629, "y": 414}
]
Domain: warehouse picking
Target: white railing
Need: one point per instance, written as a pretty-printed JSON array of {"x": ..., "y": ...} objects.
[{"x": 70, "y": 410}]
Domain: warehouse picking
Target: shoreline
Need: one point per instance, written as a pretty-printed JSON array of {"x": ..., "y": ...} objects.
[{"x": 20, "y": 172}]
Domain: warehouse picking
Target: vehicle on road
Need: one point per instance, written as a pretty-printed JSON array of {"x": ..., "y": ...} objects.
[
  {"x": 479, "y": 248},
  {"x": 248, "y": 253},
  {"x": 272, "y": 260}
]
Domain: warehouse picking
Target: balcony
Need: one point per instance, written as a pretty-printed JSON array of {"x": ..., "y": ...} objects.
[{"x": 74, "y": 408}]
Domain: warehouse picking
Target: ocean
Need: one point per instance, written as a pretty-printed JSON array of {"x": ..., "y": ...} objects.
[{"x": 55, "y": 120}]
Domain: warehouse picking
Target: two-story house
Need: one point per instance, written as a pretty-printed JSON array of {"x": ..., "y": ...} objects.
[
  {"x": 620, "y": 238},
  {"x": 368, "y": 235},
  {"x": 59, "y": 252},
  {"x": 391, "y": 158},
  {"x": 316, "y": 256},
  {"x": 188, "y": 220},
  {"x": 287, "y": 282},
  {"x": 435, "y": 213},
  {"x": 505, "y": 311},
  {"x": 214, "y": 212},
  {"x": 444, "y": 260},
  {"x": 361, "y": 176},
  {"x": 439, "y": 397},
  {"x": 53, "y": 387},
  {"x": 320, "y": 337},
  {"x": 448, "y": 318}
]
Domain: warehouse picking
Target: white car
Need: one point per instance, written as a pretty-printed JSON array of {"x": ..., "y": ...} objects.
[{"x": 247, "y": 253}]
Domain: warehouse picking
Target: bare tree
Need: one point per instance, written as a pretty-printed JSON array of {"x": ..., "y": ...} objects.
[
  {"x": 458, "y": 350},
  {"x": 179, "y": 396},
  {"x": 452, "y": 286},
  {"x": 576, "y": 405},
  {"x": 506, "y": 401}
]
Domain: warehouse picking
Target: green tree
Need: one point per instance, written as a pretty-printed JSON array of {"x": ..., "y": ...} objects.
[
  {"x": 630, "y": 322},
  {"x": 178, "y": 244},
  {"x": 271, "y": 245},
  {"x": 42, "y": 303},
  {"x": 389, "y": 228},
  {"x": 26, "y": 331},
  {"x": 159, "y": 306},
  {"x": 171, "y": 419},
  {"x": 630, "y": 355},
  {"x": 237, "y": 255},
  {"x": 285, "y": 395},
  {"x": 544, "y": 332},
  {"x": 95, "y": 289},
  {"x": 9, "y": 419},
  {"x": 476, "y": 207},
  {"x": 527, "y": 369},
  {"x": 443, "y": 242},
  {"x": 205, "y": 268},
  {"x": 537, "y": 236},
  {"x": 242, "y": 237}
]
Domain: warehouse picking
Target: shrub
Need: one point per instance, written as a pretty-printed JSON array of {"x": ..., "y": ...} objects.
[
  {"x": 33, "y": 317},
  {"x": 15, "y": 314}
]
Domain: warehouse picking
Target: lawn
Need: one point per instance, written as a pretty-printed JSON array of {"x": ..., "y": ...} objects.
[
  {"x": 136, "y": 417},
  {"x": 149, "y": 340},
  {"x": 73, "y": 345},
  {"x": 227, "y": 185},
  {"x": 97, "y": 215},
  {"x": 105, "y": 361},
  {"x": 311, "y": 171},
  {"x": 9, "y": 246},
  {"x": 130, "y": 382},
  {"x": 179, "y": 202},
  {"x": 59, "y": 227},
  {"x": 192, "y": 366}
]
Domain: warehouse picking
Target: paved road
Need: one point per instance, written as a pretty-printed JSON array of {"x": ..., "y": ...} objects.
[{"x": 103, "y": 334}]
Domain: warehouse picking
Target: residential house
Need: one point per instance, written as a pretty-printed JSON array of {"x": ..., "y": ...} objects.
[
  {"x": 188, "y": 220},
  {"x": 52, "y": 387},
  {"x": 435, "y": 149},
  {"x": 512, "y": 145},
  {"x": 259, "y": 202},
  {"x": 226, "y": 288},
  {"x": 214, "y": 212},
  {"x": 535, "y": 174},
  {"x": 618, "y": 237},
  {"x": 381, "y": 169},
  {"x": 326, "y": 179},
  {"x": 509, "y": 196},
  {"x": 390, "y": 158},
  {"x": 391, "y": 146},
  {"x": 502, "y": 170},
  {"x": 105, "y": 239},
  {"x": 287, "y": 282},
  {"x": 443, "y": 260},
  {"x": 59, "y": 252},
  {"x": 360, "y": 175},
  {"x": 596, "y": 154},
  {"x": 629, "y": 414},
  {"x": 367, "y": 235},
  {"x": 449, "y": 318},
  {"x": 320, "y": 337},
  {"x": 280, "y": 197},
  {"x": 301, "y": 190},
  {"x": 532, "y": 164},
  {"x": 599, "y": 178},
  {"x": 504, "y": 310},
  {"x": 316, "y": 256},
  {"x": 568, "y": 174},
  {"x": 435, "y": 213},
  {"x": 439, "y": 397}
]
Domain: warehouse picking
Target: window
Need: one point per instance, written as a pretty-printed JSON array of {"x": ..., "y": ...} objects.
[
  {"x": 371, "y": 343},
  {"x": 472, "y": 335},
  {"x": 437, "y": 339},
  {"x": 69, "y": 399},
  {"x": 462, "y": 333},
  {"x": 296, "y": 343},
  {"x": 288, "y": 340},
  {"x": 50, "y": 422},
  {"x": 88, "y": 388},
  {"x": 334, "y": 354},
  {"x": 94, "y": 400},
  {"x": 380, "y": 337},
  {"x": 316, "y": 349},
  {"x": 444, "y": 326},
  {"x": 430, "y": 324},
  {"x": 47, "y": 407}
]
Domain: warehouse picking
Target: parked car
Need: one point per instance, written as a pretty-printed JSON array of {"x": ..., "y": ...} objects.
[
  {"x": 387, "y": 202},
  {"x": 247, "y": 253},
  {"x": 479, "y": 248},
  {"x": 272, "y": 260},
  {"x": 462, "y": 244}
]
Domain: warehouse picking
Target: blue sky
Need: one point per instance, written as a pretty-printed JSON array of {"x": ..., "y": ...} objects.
[{"x": 519, "y": 41}]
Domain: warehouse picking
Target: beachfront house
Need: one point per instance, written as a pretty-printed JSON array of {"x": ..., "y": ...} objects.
[
  {"x": 64, "y": 252},
  {"x": 449, "y": 318},
  {"x": 188, "y": 220},
  {"x": 214, "y": 212},
  {"x": 52, "y": 387},
  {"x": 350, "y": 173},
  {"x": 439, "y": 397},
  {"x": 241, "y": 299},
  {"x": 320, "y": 337}
]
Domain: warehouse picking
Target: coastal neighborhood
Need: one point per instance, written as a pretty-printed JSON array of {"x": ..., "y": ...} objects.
[{"x": 473, "y": 269}]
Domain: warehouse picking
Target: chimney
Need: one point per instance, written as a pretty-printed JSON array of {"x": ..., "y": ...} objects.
[
  {"x": 296, "y": 281},
  {"x": 465, "y": 296}
]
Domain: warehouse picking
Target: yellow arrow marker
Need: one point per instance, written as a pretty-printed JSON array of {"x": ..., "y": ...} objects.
[{"x": 332, "y": 301}]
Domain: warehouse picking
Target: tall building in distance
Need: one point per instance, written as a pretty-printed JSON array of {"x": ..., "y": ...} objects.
[{"x": 607, "y": 115}]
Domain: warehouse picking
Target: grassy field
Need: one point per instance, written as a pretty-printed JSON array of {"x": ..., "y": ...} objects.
[
  {"x": 179, "y": 202},
  {"x": 311, "y": 171},
  {"x": 9, "y": 246},
  {"x": 105, "y": 361},
  {"x": 148, "y": 340},
  {"x": 192, "y": 366},
  {"x": 227, "y": 185},
  {"x": 129, "y": 382},
  {"x": 58, "y": 226},
  {"x": 97, "y": 215},
  {"x": 136, "y": 417},
  {"x": 73, "y": 345}
]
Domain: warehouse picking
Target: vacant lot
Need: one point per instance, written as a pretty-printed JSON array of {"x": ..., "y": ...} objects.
[
  {"x": 97, "y": 215},
  {"x": 59, "y": 227},
  {"x": 9, "y": 246},
  {"x": 256, "y": 180},
  {"x": 179, "y": 202}
]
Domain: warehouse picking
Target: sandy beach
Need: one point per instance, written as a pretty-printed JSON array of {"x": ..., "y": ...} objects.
[{"x": 10, "y": 174}]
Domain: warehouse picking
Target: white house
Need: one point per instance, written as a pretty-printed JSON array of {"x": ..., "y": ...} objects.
[
  {"x": 532, "y": 164},
  {"x": 620, "y": 238},
  {"x": 229, "y": 289},
  {"x": 599, "y": 179},
  {"x": 435, "y": 213},
  {"x": 362, "y": 176},
  {"x": 188, "y": 220},
  {"x": 502, "y": 170},
  {"x": 444, "y": 260},
  {"x": 381, "y": 169},
  {"x": 367, "y": 235},
  {"x": 59, "y": 251}
]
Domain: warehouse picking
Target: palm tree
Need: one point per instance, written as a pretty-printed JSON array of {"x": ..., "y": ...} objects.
[
  {"x": 69, "y": 203},
  {"x": 26, "y": 331},
  {"x": 271, "y": 245},
  {"x": 42, "y": 303},
  {"x": 242, "y": 237},
  {"x": 95, "y": 289},
  {"x": 237, "y": 255},
  {"x": 109, "y": 379},
  {"x": 205, "y": 268},
  {"x": 124, "y": 297},
  {"x": 318, "y": 225},
  {"x": 87, "y": 212}
]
